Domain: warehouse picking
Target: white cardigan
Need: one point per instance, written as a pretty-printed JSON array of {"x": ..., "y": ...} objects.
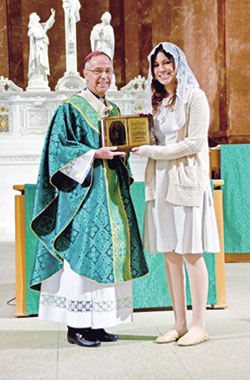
[{"x": 189, "y": 157}]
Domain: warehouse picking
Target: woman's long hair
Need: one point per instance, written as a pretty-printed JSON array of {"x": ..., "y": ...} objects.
[{"x": 158, "y": 90}]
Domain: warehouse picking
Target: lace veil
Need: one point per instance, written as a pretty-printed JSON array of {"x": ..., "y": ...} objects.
[{"x": 185, "y": 77}]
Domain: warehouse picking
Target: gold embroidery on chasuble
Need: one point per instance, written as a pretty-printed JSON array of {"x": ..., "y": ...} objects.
[
  {"x": 119, "y": 227},
  {"x": 89, "y": 116}
]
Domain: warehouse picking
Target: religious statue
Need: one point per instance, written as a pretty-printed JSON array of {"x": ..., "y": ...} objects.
[
  {"x": 71, "y": 79},
  {"x": 102, "y": 36},
  {"x": 72, "y": 16},
  {"x": 38, "y": 57}
]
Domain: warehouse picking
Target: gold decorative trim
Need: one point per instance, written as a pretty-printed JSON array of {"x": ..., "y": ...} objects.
[
  {"x": 37, "y": 283},
  {"x": 78, "y": 109},
  {"x": 128, "y": 233},
  {"x": 111, "y": 223}
]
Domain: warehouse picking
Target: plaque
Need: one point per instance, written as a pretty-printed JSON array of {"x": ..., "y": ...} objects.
[{"x": 127, "y": 131}]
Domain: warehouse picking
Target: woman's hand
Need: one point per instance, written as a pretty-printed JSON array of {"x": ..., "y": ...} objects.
[
  {"x": 135, "y": 150},
  {"x": 144, "y": 150},
  {"x": 108, "y": 153}
]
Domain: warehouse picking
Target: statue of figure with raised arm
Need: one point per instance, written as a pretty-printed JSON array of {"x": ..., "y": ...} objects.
[
  {"x": 38, "y": 56},
  {"x": 102, "y": 36}
]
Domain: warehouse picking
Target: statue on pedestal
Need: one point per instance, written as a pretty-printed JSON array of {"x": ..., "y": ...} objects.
[
  {"x": 38, "y": 56},
  {"x": 72, "y": 11},
  {"x": 102, "y": 36},
  {"x": 72, "y": 16},
  {"x": 71, "y": 79}
]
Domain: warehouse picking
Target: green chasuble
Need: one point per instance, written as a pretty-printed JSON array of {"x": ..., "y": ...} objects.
[{"x": 90, "y": 225}]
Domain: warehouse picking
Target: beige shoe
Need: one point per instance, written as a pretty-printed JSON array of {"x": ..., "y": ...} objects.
[
  {"x": 189, "y": 340},
  {"x": 170, "y": 336}
]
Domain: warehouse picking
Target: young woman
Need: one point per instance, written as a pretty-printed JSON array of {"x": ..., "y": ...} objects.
[{"x": 179, "y": 214}]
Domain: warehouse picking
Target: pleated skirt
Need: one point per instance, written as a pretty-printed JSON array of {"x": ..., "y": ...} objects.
[
  {"x": 168, "y": 227},
  {"x": 69, "y": 298}
]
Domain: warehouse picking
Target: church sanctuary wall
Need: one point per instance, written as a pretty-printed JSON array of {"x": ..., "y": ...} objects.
[{"x": 214, "y": 35}]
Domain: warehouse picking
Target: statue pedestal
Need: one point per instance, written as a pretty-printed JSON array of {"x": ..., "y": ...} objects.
[
  {"x": 70, "y": 81},
  {"x": 37, "y": 85}
]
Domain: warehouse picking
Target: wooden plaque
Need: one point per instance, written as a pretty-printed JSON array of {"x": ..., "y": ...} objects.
[{"x": 127, "y": 131}]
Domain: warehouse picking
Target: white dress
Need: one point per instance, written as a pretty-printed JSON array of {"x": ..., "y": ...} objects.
[
  {"x": 168, "y": 227},
  {"x": 69, "y": 298}
]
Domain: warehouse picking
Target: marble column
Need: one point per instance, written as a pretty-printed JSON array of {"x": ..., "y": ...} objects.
[
  {"x": 192, "y": 25},
  {"x": 145, "y": 33},
  {"x": 221, "y": 56},
  {"x": 137, "y": 37},
  {"x": 4, "y": 50},
  {"x": 131, "y": 40},
  {"x": 15, "y": 42},
  {"x": 238, "y": 69},
  {"x": 116, "y": 9}
]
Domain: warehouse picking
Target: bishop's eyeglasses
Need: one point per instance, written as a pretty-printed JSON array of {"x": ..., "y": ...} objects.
[{"x": 100, "y": 71}]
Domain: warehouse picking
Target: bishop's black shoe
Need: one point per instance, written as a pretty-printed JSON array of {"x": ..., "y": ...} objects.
[
  {"x": 99, "y": 334},
  {"x": 76, "y": 337}
]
